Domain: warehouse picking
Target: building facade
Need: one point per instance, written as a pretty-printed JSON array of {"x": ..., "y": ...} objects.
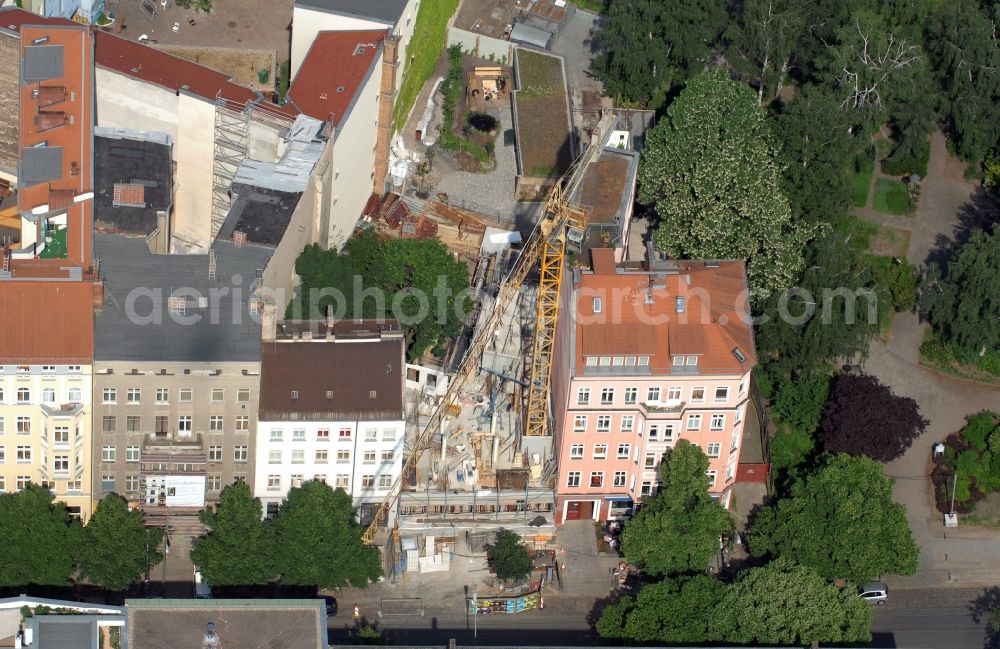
[
  {"x": 648, "y": 355},
  {"x": 331, "y": 410}
]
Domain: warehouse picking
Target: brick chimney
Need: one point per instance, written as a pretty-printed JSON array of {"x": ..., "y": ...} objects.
[
  {"x": 268, "y": 321},
  {"x": 387, "y": 97}
]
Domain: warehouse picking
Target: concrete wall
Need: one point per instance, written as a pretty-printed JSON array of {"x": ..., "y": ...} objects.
[
  {"x": 306, "y": 23},
  {"x": 124, "y": 102},
  {"x": 9, "y": 98},
  {"x": 195, "y": 154},
  {"x": 263, "y": 142},
  {"x": 279, "y": 273},
  {"x": 482, "y": 45}
]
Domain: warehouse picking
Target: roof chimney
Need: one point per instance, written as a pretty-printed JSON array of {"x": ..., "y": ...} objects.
[
  {"x": 268, "y": 321},
  {"x": 329, "y": 317}
]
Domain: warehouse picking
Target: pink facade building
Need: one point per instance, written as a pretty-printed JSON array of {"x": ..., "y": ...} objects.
[{"x": 647, "y": 355}]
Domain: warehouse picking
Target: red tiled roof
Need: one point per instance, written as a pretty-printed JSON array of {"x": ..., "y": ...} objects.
[
  {"x": 13, "y": 18},
  {"x": 334, "y": 69},
  {"x": 129, "y": 194},
  {"x": 46, "y": 322}
]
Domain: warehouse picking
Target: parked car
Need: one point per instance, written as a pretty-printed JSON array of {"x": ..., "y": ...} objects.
[
  {"x": 201, "y": 589},
  {"x": 875, "y": 592},
  {"x": 331, "y": 606}
]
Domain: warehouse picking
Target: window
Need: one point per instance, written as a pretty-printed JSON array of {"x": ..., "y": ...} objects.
[
  {"x": 603, "y": 423},
  {"x": 239, "y": 477},
  {"x": 134, "y": 395},
  {"x": 620, "y": 478},
  {"x": 274, "y": 457},
  {"x": 108, "y": 453},
  {"x": 722, "y": 394},
  {"x": 597, "y": 478},
  {"x": 673, "y": 394},
  {"x": 735, "y": 442},
  {"x": 274, "y": 483},
  {"x": 184, "y": 424},
  {"x": 714, "y": 450},
  {"x": 743, "y": 387},
  {"x": 295, "y": 395},
  {"x": 1, "y": 395},
  {"x": 645, "y": 489},
  {"x": 718, "y": 422},
  {"x": 24, "y": 425},
  {"x": 583, "y": 396},
  {"x": 618, "y": 361},
  {"x": 730, "y": 472},
  {"x": 215, "y": 453},
  {"x": 162, "y": 396},
  {"x": 184, "y": 395},
  {"x": 342, "y": 480},
  {"x": 628, "y": 423},
  {"x": 573, "y": 479},
  {"x": 389, "y": 435},
  {"x": 60, "y": 435},
  {"x": 23, "y": 454},
  {"x": 131, "y": 483},
  {"x": 344, "y": 434},
  {"x": 388, "y": 457},
  {"x": 697, "y": 394},
  {"x": 218, "y": 395},
  {"x": 275, "y": 434},
  {"x": 691, "y": 360},
  {"x": 591, "y": 361},
  {"x": 653, "y": 394},
  {"x": 3, "y": 454},
  {"x": 580, "y": 423},
  {"x": 600, "y": 451},
  {"x": 23, "y": 395},
  {"x": 60, "y": 463},
  {"x": 576, "y": 452},
  {"x": 161, "y": 425},
  {"x": 322, "y": 456},
  {"x": 631, "y": 395},
  {"x": 107, "y": 482},
  {"x": 133, "y": 424},
  {"x": 242, "y": 423},
  {"x": 73, "y": 395},
  {"x": 678, "y": 360},
  {"x": 693, "y": 422},
  {"x": 74, "y": 485},
  {"x": 668, "y": 433},
  {"x": 298, "y": 457},
  {"x": 369, "y": 457},
  {"x": 607, "y": 396},
  {"x": 108, "y": 423},
  {"x": 623, "y": 451},
  {"x": 48, "y": 368},
  {"x": 643, "y": 361},
  {"x": 385, "y": 480},
  {"x": 371, "y": 434},
  {"x": 48, "y": 395},
  {"x": 368, "y": 481},
  {"x": 654, "y": 431},
  {"x": 650, "y": 460},
  {"x": 243, "y": 395},
  {"x": 597, "y": 305},
  {"x": 23, "y": 481},
  {"x": 323, "y": 434},
  {"x": 712, "y": 474},
  {"x": 320, "y": 477},
  {"x": 240, "y": 454},
  {"x": 604, "y": 361},
  {"x": 132, "y": 453},
  {"x": 299, "y": 435},
  {"x": 343, "y": 457},
  {"x": 214, "y": 483}
]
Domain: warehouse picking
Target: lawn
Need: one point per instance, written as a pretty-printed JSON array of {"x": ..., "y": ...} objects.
[
  {"x": 540, "y": 115},
  {"x": 429, "y": 36},
  {"x": 890, "y": 241},
  {"x": 860, "y": 183},
  {"x": 597, "y": 6},
  {"x": 891, "y": 197}
]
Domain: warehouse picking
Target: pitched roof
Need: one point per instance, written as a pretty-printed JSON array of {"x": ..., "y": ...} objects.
[
  {"x": 46, "y": 322},
  {"x": 386, "y": 11},
  {"x": 335, "y": 68}
]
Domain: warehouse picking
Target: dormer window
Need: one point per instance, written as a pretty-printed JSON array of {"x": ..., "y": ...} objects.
[
  {"x": 680, "y": 304},
  {"x": 692, "y": 360},
  {"x": 597, "y": 305},
  {"x": 678, "y": 360}
]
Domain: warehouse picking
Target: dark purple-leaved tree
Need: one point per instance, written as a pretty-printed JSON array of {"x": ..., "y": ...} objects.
[{"x": 864, "y": 417}]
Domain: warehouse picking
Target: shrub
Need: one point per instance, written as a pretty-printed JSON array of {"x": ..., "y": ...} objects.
[{"x": 978, "y": 429}]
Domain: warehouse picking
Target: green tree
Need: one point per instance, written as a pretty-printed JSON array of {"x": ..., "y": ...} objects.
[
  {"x": 38, "y": 539},
  {"x": 841, "y": 521},
  {"x": 799, "y": 402},
  {"x": 114, "y": 552},
  {"x": 711, "y": 170},
  {"x": 679, "y": 610},
  {"x": 678, "y": 529},
  {"x": 964, "y": 305},
  {"x": 319, "y": 540},
  {"x": 238, "y": 549},
  {"x": 508, "y": 557},
  {"x": 417, "y": 280},
  {"x": 786, "y": 604},
  {"x": 763, "y": 40}
]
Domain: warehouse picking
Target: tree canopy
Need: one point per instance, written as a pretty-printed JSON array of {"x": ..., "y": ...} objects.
[
  {"x": 319, "y": 542},
  {"x": 680, "y": 610},
  {"x": 508, "y": 557},
  {"x": 238, "y": 550},
  {"x": 39, "y": 541},
  {"x": 678, "y": 529},
  {"x": 417, "y": 281},
  {"x": 841, "y": 521},
  {"x": 786, "y": 604},
  {"x": 117, "y": 548},
  {"x": 711, "y": 170},
  {"x": 864, "y": 417}
]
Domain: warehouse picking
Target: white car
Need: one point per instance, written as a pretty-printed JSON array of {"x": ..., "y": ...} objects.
[
  {"x": 201, "y": 589},
  {"x": 874, "y": 592}
]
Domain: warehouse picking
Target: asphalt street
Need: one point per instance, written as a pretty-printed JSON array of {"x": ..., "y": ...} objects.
[{"x": 937, "y": 628}]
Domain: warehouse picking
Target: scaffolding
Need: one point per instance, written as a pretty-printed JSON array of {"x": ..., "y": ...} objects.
[{"x": 232, "y": 132}]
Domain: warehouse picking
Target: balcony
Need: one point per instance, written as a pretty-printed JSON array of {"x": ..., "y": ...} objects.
[
  {"x": 662, "y": 408},
  {"x": 62, "y": 410},
  {"x": 176, "y": 443}
]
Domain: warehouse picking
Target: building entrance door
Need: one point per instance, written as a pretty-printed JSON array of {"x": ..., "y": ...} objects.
[{"x": 579, "y": 509}]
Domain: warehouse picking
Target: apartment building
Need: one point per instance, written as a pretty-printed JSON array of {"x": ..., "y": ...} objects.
[
  {"x": 46, "y": 359},
  {"x": 331, "y": 409},
  {"x": 647, "y": 354}
]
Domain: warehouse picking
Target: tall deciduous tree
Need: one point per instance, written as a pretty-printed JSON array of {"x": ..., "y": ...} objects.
[
  {"x": 115, "y": 551},
  {"x": 678, "y": 529},
  {"x": 318, "y": 541},
  {"x": 508, "y": 557},
  {"x": 786, "y": 604},
  {"x": 711, "y": 170},
  {"x": 39, "y": 540},
  {"x": 238, "y": 549},
  {"x": 864, "y": 417},
  {"x": 763, "y": 40},
  {"x": 840, "y": 521},
  {"x": 681, "y": 610},
  {"x": 964, "y": 306}
]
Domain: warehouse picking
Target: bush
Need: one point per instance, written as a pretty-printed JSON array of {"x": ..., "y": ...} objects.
[
  {"x": 978, "y": 429},
  {"x": 895, "y": 280}
]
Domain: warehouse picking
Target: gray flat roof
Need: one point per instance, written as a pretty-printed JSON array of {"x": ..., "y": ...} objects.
[
  {"x": 119, "y": 160},
  {"x": 54, "y": 632},
  {"x": 261, "y": 214},
  {"x": 41, "y": 164},
  {"x": 385, "y": 11},
  {"x": 42, "y": 62},
  {"x": 135, "y": 321}
]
